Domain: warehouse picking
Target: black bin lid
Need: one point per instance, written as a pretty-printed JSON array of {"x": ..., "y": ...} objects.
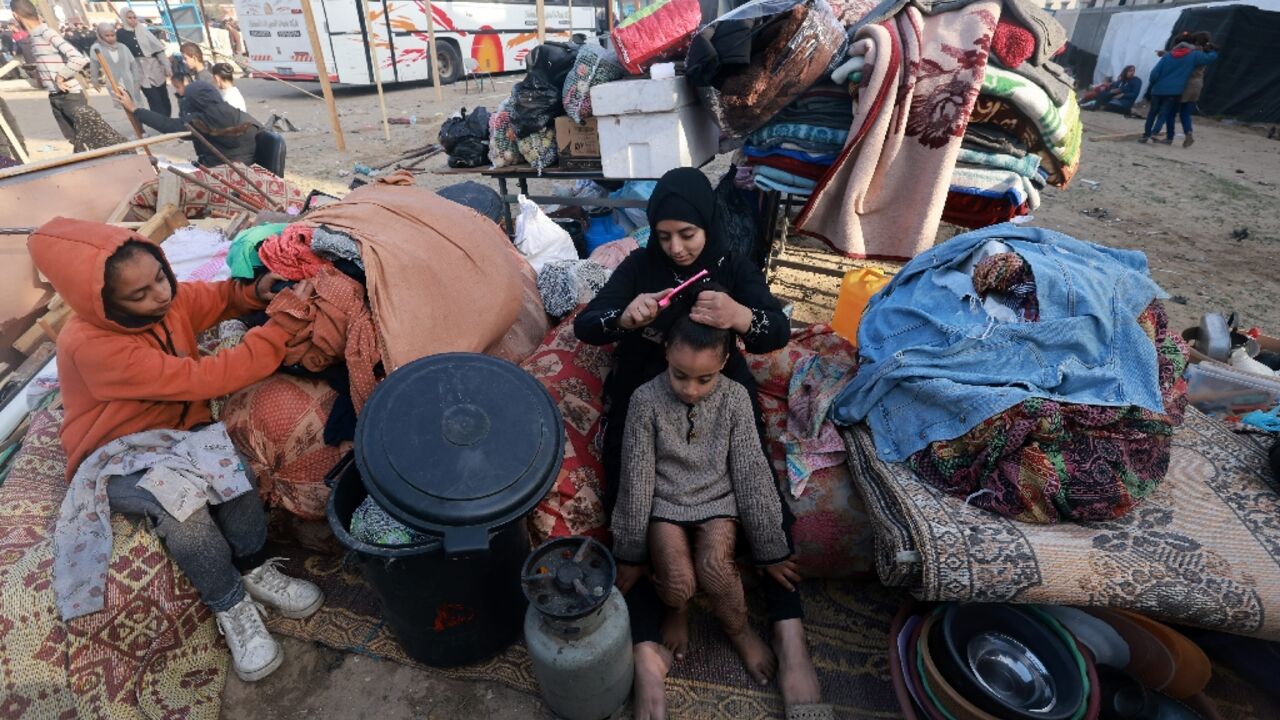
[{"x": 459, "y": 445}]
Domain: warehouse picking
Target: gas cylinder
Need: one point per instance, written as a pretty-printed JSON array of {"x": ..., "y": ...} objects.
[{"x": 577, "y": 629}]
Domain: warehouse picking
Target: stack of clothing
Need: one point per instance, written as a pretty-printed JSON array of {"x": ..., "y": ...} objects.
[
  {"x": 795, "y": 149},
  {"x": 1025, "y": 129}
]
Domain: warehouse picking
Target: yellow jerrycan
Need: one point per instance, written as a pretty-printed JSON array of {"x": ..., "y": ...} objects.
[{"x": 856, "y": 290}]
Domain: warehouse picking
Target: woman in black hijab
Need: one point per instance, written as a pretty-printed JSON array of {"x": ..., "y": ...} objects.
[
  {"x": 233, "y": 132},
  {"x": 684, "y": 240}
]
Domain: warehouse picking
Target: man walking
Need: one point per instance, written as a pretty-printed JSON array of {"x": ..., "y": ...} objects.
[{"x": 56, "y": 64}]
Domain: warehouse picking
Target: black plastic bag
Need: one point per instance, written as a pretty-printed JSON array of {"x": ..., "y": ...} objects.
[
  {"x": 465, "y": 138},
  {"x": 550, "y": 63},
  {"x": 534, "y": 106},
  {"x": 737, "y": 220}
]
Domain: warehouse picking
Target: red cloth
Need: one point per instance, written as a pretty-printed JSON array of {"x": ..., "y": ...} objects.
[
  {"x": 793, "y": 166},
  {"x": 1012, "y": 44},
  {"x": 658, "y": 35},
  {"x": 975, "y": 211},
  {"x": 289, "y": 253}
]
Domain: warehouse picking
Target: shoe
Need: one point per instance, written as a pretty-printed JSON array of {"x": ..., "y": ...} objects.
[
  {"x": 1188, "y": 141},
  {"x": 1168, "y": 141},
  {"x": 292, "y": 597},
  {"x": 1144, "y": 138},
  {"x": 254, "y": 653}
]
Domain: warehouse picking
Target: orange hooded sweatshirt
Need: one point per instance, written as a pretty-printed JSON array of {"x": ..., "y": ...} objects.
[{"x": 119, "y": 380}]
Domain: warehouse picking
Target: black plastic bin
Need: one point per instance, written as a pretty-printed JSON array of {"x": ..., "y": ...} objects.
[{"x": 461, "y": 447}]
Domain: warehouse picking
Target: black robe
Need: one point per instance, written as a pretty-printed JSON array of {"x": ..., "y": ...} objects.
[{"x": 641, "y": 354}]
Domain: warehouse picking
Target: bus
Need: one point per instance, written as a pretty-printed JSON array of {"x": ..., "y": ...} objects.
[{"x": 495, "y": 34}]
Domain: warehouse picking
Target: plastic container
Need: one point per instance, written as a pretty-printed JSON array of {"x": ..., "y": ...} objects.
[
  {"x": 856, "y": 290},
  {"x": 650, "y": 144},
  {"x": 1220, "y": 390},
  {"x": 461, "y": 447}
]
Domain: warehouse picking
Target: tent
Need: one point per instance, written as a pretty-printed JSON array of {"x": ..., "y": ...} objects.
[
  {"x": 1134, "y": 37},
  {"x": 1245, "y": 81}
]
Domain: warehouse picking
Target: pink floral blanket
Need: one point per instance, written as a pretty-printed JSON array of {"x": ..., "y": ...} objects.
[{"x": 884, "y": 197}]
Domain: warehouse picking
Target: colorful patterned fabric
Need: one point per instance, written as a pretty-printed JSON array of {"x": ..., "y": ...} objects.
[
  {"x": 1010, "y": 276},
  {"x": 184, "y": 471},
  {"x": 155, "y": 652},
  {"x": 573, "y": 372},
  {"x": 1003, "y": 114},
  {"x": 832, "y": 533},
  {"x": 1042, "y": 461},
  {"x": 278, "y": 424},
  {"x": 196, "y": 202}
]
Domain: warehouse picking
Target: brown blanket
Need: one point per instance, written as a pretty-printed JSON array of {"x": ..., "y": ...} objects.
[{"x": 440, "y": 277}]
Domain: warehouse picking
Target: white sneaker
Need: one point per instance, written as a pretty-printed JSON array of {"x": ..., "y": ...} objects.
[
  {"x": 254, "y": 653},
  {"x": 292, "y": 597}
]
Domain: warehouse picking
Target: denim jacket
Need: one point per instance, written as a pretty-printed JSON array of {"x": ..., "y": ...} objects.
[{"x": 935, "y": 363}]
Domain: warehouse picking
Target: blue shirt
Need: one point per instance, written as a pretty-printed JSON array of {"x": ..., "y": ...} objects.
[
  {"x": 1170, "y": 75},
  {"x": 936, "y": 361}
]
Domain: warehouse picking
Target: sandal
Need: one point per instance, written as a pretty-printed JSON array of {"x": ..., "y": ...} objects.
[{"x": 811, "y": 711}]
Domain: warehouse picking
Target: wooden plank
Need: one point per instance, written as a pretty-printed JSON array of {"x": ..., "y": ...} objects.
[
  {"x": 44, "y": 329},
  {"x": 164, "y": 223},
  {"x": 90, "y": 155},
  {"x": 170, "y": 190}
]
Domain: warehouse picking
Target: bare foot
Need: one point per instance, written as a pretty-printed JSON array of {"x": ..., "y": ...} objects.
[
  {"x": 675, "y": 631},
  {"x": 756, "y": 655},
  {"x": 653, "y": 662},
  {"x": 797, "y": 679}
]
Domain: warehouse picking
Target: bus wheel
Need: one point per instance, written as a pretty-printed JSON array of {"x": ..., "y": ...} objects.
[{"x": 450, "y": 63}]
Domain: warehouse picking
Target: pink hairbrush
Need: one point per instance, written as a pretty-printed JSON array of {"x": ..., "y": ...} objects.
[{"x": 666, "y": 300}]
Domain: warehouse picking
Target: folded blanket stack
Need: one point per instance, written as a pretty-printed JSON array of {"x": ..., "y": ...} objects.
[
  {"x": 1024, "y": 131},
  {"x": 796, "y": 148}
]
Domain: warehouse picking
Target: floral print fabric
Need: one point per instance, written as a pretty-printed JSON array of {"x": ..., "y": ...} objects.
[{"x": 1042, "y": 461}]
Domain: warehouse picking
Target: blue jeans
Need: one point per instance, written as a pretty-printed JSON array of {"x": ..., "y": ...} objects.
[
  {"x": 213, "y": 546},
  {"x": 1185, "y": 110},
  {"x": 1164, "y": 108}
]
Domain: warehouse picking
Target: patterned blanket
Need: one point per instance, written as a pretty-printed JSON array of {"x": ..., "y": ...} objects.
[
  {"x": 1202, "y": 549},
  {"x": 154, "y": 652}
]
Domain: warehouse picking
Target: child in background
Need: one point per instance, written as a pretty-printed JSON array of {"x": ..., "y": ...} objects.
[
  {"x": 693, "y": 470},
  {"x": 224, "y": 75},
  {"x": 193, "y": 58},
  {"x": 1168, "y": 81}
]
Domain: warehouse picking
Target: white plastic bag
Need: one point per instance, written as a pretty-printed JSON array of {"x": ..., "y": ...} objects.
[{"x": 539, "y": 238}]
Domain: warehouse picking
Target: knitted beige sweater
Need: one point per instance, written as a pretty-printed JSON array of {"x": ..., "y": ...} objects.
[{"x": 686, "y": 464}]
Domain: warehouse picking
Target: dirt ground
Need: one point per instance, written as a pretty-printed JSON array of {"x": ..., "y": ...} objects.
[{"x": 1206, "y": 217}]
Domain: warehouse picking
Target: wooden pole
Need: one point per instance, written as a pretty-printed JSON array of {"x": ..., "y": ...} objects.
[
  {"x": 542, "y": 21},
  {"x": 11, "y": 137},
  {"x": 377, "y": 71},
  {"x": 89, "y": 155},
  {"x": 322, "y": 70},
  {"x": 208, "y": 34},
  {"x": 431, "y": 50},
  {"x": 115, "y": 90},
  {"x": 608, "y": 6},
  {"x": 570, "y": 20}
]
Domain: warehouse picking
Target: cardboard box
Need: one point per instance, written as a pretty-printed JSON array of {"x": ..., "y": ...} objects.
[{"x": 578, "y": 141}]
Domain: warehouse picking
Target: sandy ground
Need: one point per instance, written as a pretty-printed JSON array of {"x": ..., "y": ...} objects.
[{"x": 1206, "y": 217}]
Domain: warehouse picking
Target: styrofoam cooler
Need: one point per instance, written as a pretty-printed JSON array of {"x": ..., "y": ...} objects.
[{"x": 648, "y": 127}]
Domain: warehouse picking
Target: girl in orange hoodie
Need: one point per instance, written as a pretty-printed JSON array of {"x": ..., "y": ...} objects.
[{"x": 140, "y": 437}]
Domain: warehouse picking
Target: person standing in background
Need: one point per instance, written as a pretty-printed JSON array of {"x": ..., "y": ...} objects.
[
  {"x": 118, "y": 60},
  {"x": 1168, "y": 81},
  {"x": 153, "y": 67},
  {"x": 56, "y": 66},
  {"x": 1195, "y": 84},
  {"x": 224, "y": 78}
]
